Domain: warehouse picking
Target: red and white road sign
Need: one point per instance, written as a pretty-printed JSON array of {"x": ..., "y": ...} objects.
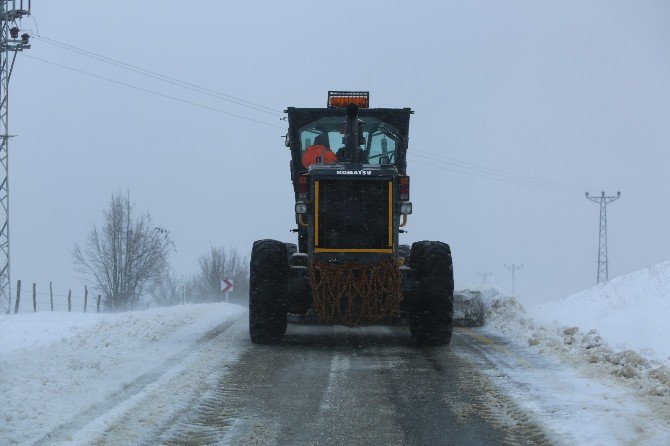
[{"x": 227, "y": 285}]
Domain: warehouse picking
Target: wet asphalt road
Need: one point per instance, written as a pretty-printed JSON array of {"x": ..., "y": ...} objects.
[{"x": 329, "y": 385}]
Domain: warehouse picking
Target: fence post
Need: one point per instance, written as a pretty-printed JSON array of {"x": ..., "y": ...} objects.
[
  {"x": 51, "y": 296},
  {"x": 85, "y": 297},
  {"x": 97, "y": 306},
  {"x": 69, "y": 300},
  {"x": 18, "y": 296},
  {"x": 34, "y": 298}
]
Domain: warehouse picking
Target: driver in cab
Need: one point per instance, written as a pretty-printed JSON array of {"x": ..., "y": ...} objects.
[{"x": 319, "y": 152}]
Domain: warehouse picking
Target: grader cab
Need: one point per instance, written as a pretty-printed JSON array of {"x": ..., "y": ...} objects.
[{"x": 352, "y": 192}]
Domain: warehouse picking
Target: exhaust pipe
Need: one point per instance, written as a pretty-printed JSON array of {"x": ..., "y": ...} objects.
[{"x": 351, "y": 135}]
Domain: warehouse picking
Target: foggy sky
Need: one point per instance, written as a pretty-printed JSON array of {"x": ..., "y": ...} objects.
[{"x": 573, "y": 92}]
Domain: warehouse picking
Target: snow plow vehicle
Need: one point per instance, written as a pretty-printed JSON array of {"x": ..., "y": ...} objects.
[{"x": 352, "y": 192}]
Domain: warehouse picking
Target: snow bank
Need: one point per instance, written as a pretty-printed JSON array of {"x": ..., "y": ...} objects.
[
  {"x": 583, "y": 346},
  {"x": 54, "y": 366},
  {"x": 27, "y": 330},
  {"x": 630, "y": 311}
]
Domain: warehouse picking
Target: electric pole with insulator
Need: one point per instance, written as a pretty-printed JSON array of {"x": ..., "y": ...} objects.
[
  {"x": 514, "y": 268},
  {"x": 484, "y": 275},
  {"x": 11, "y": 13},
  {"x": 603, "y": 262}
]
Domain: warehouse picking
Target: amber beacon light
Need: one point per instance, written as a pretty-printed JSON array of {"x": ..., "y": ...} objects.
[{"x": 343, "y": 99}]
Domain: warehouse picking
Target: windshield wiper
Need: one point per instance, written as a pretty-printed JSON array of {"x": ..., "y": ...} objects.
[{"x": 394, "y": 136}]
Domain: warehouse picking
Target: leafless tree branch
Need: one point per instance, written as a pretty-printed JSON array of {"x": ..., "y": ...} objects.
[{"x": 126, "y": 257}]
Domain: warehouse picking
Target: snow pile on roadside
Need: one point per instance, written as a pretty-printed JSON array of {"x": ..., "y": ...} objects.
[
  {"x": 54, "y": 366},
  {"x": 583, "y": 347},
  {"x": 630, "y": 311},
  {"x": 505, "y": 315}
]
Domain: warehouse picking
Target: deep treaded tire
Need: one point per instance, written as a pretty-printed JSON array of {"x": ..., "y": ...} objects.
[
  {"x": 267, "y": 309},
  {"x": 403, "y": 251},
  {"x": 291, "y": 249},
  {"x": 431, "y": 313}
]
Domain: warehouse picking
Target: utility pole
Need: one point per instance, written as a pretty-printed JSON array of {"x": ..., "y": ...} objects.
[
  {"x": 484, "y": 275},
  {"x": 514, "y": 268},
  {"x": 603, "y": 201},
  {"x": 11, "y": 12}
]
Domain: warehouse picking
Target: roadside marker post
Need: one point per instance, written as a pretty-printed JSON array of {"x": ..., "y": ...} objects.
[{"x": 227, "y": 287}]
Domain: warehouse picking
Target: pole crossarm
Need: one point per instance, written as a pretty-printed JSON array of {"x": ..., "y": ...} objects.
[
  {"x": 484, "y": 276},
  {"x": 514, "y": 268}
]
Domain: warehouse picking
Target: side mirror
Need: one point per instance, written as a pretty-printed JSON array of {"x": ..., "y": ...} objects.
[{"x": 287, "y": 141}]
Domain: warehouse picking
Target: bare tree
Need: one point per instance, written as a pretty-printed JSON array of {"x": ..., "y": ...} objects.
[
  {"x": 218, "y": 264},
  {"x": 169, "y": 289},
  {"x": 126, "y": 257}
]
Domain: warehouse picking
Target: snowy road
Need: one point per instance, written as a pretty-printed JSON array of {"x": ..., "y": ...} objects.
[
  {"x": 331, "y": 386},
  {"x": 372, "y": 386}
]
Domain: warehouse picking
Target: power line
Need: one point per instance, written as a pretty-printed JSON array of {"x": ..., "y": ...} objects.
[
  {"x": 491, "y": 172},
  {"x": 482, "y": 174},
  {"x": 486, "y": 176},
  {"x": 162, "y": 77},
  {"x": 146, "y": 90},
  {"x": 455, "y": 165},
  {"x": 603, "y": 262},
  {"x": 480, "y": 167},
  {"x": 479, "y": 170}
]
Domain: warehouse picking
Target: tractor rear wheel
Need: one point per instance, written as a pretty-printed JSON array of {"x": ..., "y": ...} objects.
[
  {"x": 403, "y": 251},
  {"x": 431, "y": 313},
  {"x": 291, "y": 249},
  {"x": 267, "y": 283}
]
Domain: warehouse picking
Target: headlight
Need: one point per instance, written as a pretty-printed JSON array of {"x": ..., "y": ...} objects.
[
  {"x": 406, "y": 207},
  {"x": 300, "y": 207}
]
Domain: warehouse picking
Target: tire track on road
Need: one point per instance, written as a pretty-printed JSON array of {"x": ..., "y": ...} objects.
[
  {"x": 333, "y": 385},
  {"x": 243, "y": 408},
  {"x": 66, "y": 431},
  {"x": 488, "y": 402}
]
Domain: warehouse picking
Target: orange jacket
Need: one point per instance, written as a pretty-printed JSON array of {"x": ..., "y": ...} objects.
[{"x": 315, "y": 151}]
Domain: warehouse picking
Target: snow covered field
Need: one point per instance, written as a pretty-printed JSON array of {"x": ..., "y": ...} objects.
[{"x": 57, "y": 366}]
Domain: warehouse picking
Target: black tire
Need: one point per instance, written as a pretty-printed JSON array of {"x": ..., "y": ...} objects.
[
  {"x": 267, "y": 282},
  {"x": 291, "y": 249},
  {"x": 481, "y": 315},
  {"x": 431, "y": 312},
  {"x": 404, "y": 251}
]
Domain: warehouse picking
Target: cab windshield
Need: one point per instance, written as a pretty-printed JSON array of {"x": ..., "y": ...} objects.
[{"x": 377, "y": 145}]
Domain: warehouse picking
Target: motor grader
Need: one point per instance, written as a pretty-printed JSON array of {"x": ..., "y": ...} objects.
[{"x": 352, "y": 201}]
